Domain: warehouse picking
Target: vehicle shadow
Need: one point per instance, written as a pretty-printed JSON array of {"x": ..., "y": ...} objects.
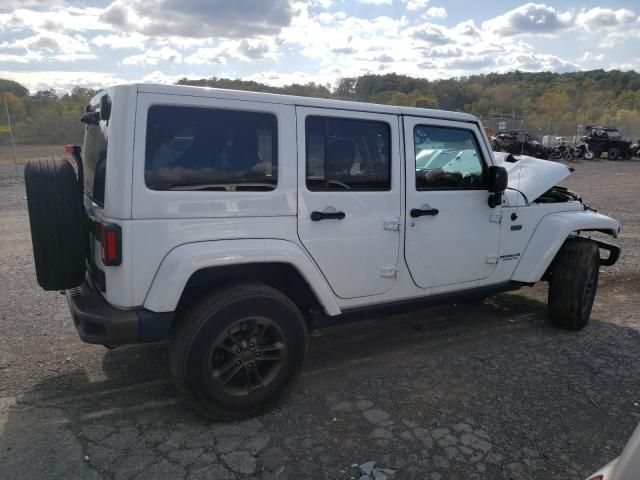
[
  {"x": 51, "y": 430},
  {"x": 145, "y": 367}
]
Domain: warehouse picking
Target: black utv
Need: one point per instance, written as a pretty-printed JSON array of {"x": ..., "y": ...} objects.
[{"x": 606, "y": 139}]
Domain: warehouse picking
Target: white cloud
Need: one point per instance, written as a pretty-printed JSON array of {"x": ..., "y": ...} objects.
[
  {"x": 278, "y": 78},
  {"x": 47, "y": 47},
  {"x": 320, "y": 3},
  {"x": 29, "y": 3},
  {"x": 133, "y": 41},
  {"x": 535, "y": 62},
  {"x": 606, "y": 18},
  {"x": 254, "y": 49},
  {"x": 319, "y": 39},
  {"x": 64, "y": 81},
  {"x": 432, "y": 34},
  {"x": 61, "y": 80},
  {"x": 436, "y": 12},
  {"x": 615, "y": 38},
  {"x": 153, "y": 57},
  {"x": 160, "y": 77},
  {"x": 57, "y": 18},
  {"x": 589, "y": 56},
  {"x": 416, "y": 4},
  {"x": 199, "y": 19},
  {"x": 531, "y": 18}
]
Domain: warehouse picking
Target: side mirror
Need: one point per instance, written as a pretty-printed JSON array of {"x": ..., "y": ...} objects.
[{"x": 497, "y": 183}]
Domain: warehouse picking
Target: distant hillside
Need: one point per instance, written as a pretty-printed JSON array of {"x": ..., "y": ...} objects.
[{"x": 551, "y": 103}]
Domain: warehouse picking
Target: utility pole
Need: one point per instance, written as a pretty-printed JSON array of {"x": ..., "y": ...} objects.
[{"x": 13, "y": 144}]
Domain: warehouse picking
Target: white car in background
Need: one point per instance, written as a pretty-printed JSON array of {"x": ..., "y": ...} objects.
[{"x": 626, "y": 466}]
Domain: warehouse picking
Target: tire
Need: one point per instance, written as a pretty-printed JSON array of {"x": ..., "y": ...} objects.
[
  {"x": 590, "y": 155},
  {"x": 573, "y": 283},
  {"x": 58, "y": 223},
  {"x": 613, "y": 154},
  {"x": 200, "y": 351}
]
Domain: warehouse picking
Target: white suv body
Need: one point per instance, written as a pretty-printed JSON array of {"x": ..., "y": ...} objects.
[
  {"x": 378, "y": 254},
  {"x": 384, "y": 230}
]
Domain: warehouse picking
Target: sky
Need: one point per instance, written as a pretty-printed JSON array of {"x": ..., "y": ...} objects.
[{"x": 96, "y": 43}]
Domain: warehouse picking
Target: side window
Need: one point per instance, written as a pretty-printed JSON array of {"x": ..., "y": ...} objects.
[
  {"x": 347, "y": 154},
  {"x": 194, "y": 148},
  {"x": 447, "y": 158}
]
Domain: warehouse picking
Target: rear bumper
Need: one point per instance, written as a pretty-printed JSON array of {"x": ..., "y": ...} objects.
[{"x": 99, "y": 322}]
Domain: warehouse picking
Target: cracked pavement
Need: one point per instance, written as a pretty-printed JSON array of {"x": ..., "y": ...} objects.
[{"x": 484, "y": 390}]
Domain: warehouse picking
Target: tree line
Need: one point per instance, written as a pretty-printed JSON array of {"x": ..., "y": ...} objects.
[{"x": 550, "y": 103}]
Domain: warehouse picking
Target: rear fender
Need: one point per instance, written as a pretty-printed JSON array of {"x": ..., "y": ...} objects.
[
  {"x": 551, "y": 233},
  {"x": 183, "y": 261}
]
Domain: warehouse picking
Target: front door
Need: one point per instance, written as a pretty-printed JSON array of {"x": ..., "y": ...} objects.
[
  {"x": 349, "y": 197},
  {"x": 452, "y": 235}
]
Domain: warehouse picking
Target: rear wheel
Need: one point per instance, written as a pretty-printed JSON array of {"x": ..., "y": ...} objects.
[
  {"x": 236, "y": 352},
  {"x": 613, "y": 154},
  {"x": 573, "y": 283}
]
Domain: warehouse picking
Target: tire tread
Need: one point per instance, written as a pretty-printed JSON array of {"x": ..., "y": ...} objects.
[
  {"x": 573, "y": 263},
  {"x": 193, "y": 319},
  {"x": 58, "y": 223}
]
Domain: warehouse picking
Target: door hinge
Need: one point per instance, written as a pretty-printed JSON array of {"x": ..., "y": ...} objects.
[
  {"x": 393, "y": 225},
  {"x": 496, "y": 217},
  {"x": 388, "y": 271},
  {"x": 492, "y": 259}
]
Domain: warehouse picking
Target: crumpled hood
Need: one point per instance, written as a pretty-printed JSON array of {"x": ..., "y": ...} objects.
[{"x": 532, "y": 176}]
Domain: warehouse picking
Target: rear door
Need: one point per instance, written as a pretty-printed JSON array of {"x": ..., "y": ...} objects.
[
  {"x": 452, "y": 235},
  {"x": 349, "y": 197}
]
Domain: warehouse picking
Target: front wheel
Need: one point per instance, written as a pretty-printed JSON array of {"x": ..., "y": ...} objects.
[
  {"x": 237, "y": 351},
  {"x": 573, "y": 283}
]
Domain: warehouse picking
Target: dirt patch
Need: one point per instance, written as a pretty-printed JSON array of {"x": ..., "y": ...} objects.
[{"x": 24, "y": 153}]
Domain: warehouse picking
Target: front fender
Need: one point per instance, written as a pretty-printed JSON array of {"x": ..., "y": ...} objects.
[
  {"x": 549, "y": 236},
  {"x": 184, "y": 260}
]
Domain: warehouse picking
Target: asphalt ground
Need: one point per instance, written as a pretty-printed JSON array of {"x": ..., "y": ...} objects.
[{"x": 485, "y": 390}]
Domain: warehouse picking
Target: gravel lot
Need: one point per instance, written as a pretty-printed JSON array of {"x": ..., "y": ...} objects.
[{"x": 484, "y": 390}]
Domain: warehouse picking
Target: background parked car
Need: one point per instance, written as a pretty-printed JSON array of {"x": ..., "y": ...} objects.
[
  {"x": 606, "y": 139},
  {"x": 518, "y": 142}
]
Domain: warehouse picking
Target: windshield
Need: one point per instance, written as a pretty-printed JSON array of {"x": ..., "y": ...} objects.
[{"x": 613, "y": 133}]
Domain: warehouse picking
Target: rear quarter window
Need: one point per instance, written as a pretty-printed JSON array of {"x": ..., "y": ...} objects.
[
  {"x": 196, "y": 148},
  {"x": 96, "y": 140}
]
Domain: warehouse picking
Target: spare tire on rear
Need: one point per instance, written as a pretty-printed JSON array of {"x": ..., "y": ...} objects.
[{"x": 58, "y": 223}]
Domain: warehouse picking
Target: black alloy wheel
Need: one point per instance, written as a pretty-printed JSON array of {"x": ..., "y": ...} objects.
[{"x": 247, "y": 355}]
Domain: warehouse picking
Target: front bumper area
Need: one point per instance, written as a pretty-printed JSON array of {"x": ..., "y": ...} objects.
[
  {"x": 614, "y": 252},
  {"x": 99, "y": 322}
]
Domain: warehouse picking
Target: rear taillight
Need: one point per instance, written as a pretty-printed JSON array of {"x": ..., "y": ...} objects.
[
  {"x": 72, "y": 149},
  {"x": 110, "y": 235},
  {"x": 597, "y": 477}
]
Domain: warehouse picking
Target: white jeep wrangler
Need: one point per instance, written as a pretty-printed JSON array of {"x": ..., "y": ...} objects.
[{"x": 229, "y": 223}]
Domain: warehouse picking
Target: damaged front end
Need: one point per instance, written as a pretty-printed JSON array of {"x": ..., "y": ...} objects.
[
  {"x": 558, "y": 194},
  {"x": 537, "y": 180}
]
